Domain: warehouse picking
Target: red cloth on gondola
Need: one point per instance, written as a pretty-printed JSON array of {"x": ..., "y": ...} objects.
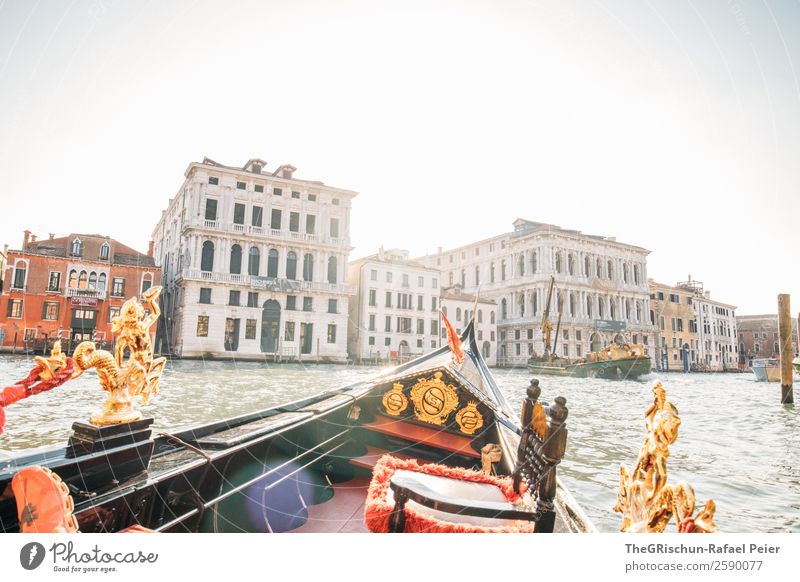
[
  {"x": 378, "y": 507},
  {"x": 29, "y": 386}
]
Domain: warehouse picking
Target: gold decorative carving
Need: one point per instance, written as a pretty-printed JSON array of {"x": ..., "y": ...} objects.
[
  {"x": 433, "y": 399},
  {"x": 490, "y": 454},
  {"x": 469, "y": 419},
  {"x": 394, "y": 401},
  {"x": 645, "y": 500},
  {"x": 138, "y": 376},
  {"x": 539, "y": 420}
]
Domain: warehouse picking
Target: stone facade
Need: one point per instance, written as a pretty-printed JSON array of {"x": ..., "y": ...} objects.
[
  {"x": 395, "y": 315},
  {"x": 68, "y": 288},
  {"x": 759, "y": 337},
  {"x": 600, "y": 284},
  {"x": 459, "y": 306},
  {"x": 672, "y": 311},
  {"x": 254, "y": 265}
]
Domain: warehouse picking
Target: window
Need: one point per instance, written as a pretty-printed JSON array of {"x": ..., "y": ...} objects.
[
  {"x": 238, "y": 213},
  {"x": 311, "y": 224},
  {"x": 458, "y": 314},
  {"x": 104, "y": 251},
  {"x": 420, "y": 327},
  {"x": 207, "y": 257},
  {"x": 258, "y": 188},
  {"x": 405, "y": 280},
  {"x": 50, "y": 310},
  {"x": 241, "y": 186},
  {"x": 433, "y": 303},
  {"x": 252, "y": 299},
  {"x": 147, "y": 281},
  {"x": 388, "y": 299},
  {"x": 331, "y": 333},
  {"x": 308, "y": 267},
  {"x": 277, "y": 192},
  {"x": 205, "y": 295},
  {"x": 92, "y": 280},
  {"x": 291, "y": 303},
  {"x": 294, "y": 222},
  {"x": 275, "y": 222},
  {"x": 254, "y": 260},
  {"x": 404, "y": 324},
  {"x": 334, "y": 228},
  {"x": 373, "y": 275},
  {"x": 312, "y": 197},
  {"x": 211, "y": 209},
  {"x": 234, "y": 298},
  {"x": 291, "y": 265},
  {"x": 335, "y": 201},
  {"x": 373, "y": 299},
  {"x": 387, "y": 342},
  {"x": 674, "y": 298},
  {"x": 118, "y": 287},
  {"x": 288, "y": 333},
  {"x": 20, "y": 273},
  {"x": 308, "y": 303},
  {"x": 250, "y": 329},
  {"x": 371, "y": 340},
  {"x": 54, "y": 282},
  {"x": 101, "y": 282},
  {"x": 434, "y": 327},
  {"x": 202, "y": 326},
  {"x": 113, "y": 312},
  {"x": 435, "y": 283},
  {"x": 296, "y": 195},
  {"x": 371, "y": 322},
  {"x": 388, "y": 326},
  {"x": 213, "y": 181},
  {"x": 332, "y": 306},
  {"x": 236, "y": 260},
  {"x": 420, "y": 300},
  {"x": 77, "y": 248},
  {"x": 73, "y": 279},
  {"x": 389, "y": 277}
]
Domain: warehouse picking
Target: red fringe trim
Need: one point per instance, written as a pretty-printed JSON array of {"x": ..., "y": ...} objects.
[{"x": 377, "y": 510}]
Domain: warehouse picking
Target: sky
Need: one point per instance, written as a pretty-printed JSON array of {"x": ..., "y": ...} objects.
[{"x": 671, "y": 125}]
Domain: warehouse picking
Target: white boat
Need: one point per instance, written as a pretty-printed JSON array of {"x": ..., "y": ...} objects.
[{"x": 766, "y": 370}]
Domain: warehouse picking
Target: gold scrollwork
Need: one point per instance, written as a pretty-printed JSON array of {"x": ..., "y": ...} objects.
[
  {"x": 469, "y": 419},
  {"x": 394, "y": 401},
  {"x": 433, "y": 399}
]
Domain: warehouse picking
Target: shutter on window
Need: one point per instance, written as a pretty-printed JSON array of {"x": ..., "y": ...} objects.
[{"x": 10, "y": 305}]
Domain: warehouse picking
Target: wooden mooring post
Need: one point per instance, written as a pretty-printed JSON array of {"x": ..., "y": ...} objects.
[{"x": 787, "y": 354}]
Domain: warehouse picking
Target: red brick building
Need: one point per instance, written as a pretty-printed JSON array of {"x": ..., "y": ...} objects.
[{"x": 68, "y": 288}]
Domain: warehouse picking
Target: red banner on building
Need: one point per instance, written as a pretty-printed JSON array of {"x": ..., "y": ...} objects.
[{"x": 83, "y": 302}]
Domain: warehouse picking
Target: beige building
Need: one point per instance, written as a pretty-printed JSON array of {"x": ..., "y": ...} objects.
[
  {"x": 671, "y": 310},
  {"x": 460, "y": 308}
]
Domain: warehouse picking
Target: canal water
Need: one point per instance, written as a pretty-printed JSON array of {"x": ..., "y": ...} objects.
[{"x": 737, "y": 443}]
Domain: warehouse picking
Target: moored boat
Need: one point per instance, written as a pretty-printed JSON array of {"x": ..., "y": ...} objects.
[
  {"x": 766, "y": 370},
  {"x": 615, "y": 362}
]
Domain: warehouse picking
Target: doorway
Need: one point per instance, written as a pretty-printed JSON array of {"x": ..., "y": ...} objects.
[
  {"x": 270, "y": 324},
  {"x": 306, "y": 337}
]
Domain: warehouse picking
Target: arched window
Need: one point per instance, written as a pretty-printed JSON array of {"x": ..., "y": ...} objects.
[
  {"x": 477, "y": 275},
  {"x": 638, "y": 311},
  {"x": 20, "y": 274},
  {"x": 105, "y": 250},
  {"x": 458, "y": 314},
  {"x": 534, "y": 303},
  {"x": 572, "y": 304},
  {"x": 291, "y": 265},
  {"x": 534, "y": 262},
  {"x": 101, "y": 282},
  {"x": 254, "y": 262},
  {"x": 236, "y": 260},
  {"x": 558, "y": 262},
  {"x": 610, "y": 270},
  {"x": 598, "y": 269},
  {"x": 586, "y": 266},
  {"x": 147, "y": 281},
  {"x": 480, "y": 316},
  {"x": 628, "y": 313},
  {"x": 521, "y": 266},
  {"x": 463, "y": 278},
  {"x": 92, "y": 280},
  {"x": 333, "y": 269},
  {"x": 308, "y": 267},
  {"x": 82, "y": 280},
  {"x": 588, "y": 306},
  {"x": 624, "y": 272},
  {"x": 601, "y": 307},
  {"x": 503, "y": 309},
  {"x": 491, "y": 273},
  {"x": 491, "y": 317},
  {"x": 521, "y": 300},
  {"x": 570, "y": 264},
  {"x": 502, "y": 270},
  {"x": 652, "y": 317},
  {"x": 73, "y": 279},
  {"x": 757, "y": 348},
  {"x": 77, "y": 248},
  {"x": 207, "y": 258},
  {"x": 636, "y": 274},
  {"x": 611, "y": 310}
]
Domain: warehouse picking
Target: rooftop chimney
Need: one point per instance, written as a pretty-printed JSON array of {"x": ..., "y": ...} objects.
[
  {"x": 52, "y": 235},
  {"x": 287, "y": 171},
  {"x": 27, "y": 238},
  {"x": 33, "y": 238},
  {"x": 150, "y": 249}
]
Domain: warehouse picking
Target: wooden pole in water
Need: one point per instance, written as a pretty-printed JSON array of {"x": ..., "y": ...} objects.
[{"x": 785, "y": 333}]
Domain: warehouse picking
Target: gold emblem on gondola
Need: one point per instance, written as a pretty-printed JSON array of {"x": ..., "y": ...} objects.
[
  {"x": 394, "y": 401},
  {"x": 469, "y": 419},
  {"x": 433, "y": 399}
]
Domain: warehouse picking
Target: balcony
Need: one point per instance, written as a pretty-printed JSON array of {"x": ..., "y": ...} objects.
[
  {"x": 71, "y": 292},
  {"x": 275, "y": 284},
  {"x": 240, "y": 229}
]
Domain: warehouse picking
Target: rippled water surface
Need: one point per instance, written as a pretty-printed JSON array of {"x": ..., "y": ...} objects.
[{"x": 737, "y": 443}]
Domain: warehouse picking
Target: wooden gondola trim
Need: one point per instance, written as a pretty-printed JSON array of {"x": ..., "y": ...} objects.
[{"x": 423, "y": 435}]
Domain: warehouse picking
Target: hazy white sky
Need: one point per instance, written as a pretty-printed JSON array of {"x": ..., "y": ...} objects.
[{"x": 672, "y": 125}]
